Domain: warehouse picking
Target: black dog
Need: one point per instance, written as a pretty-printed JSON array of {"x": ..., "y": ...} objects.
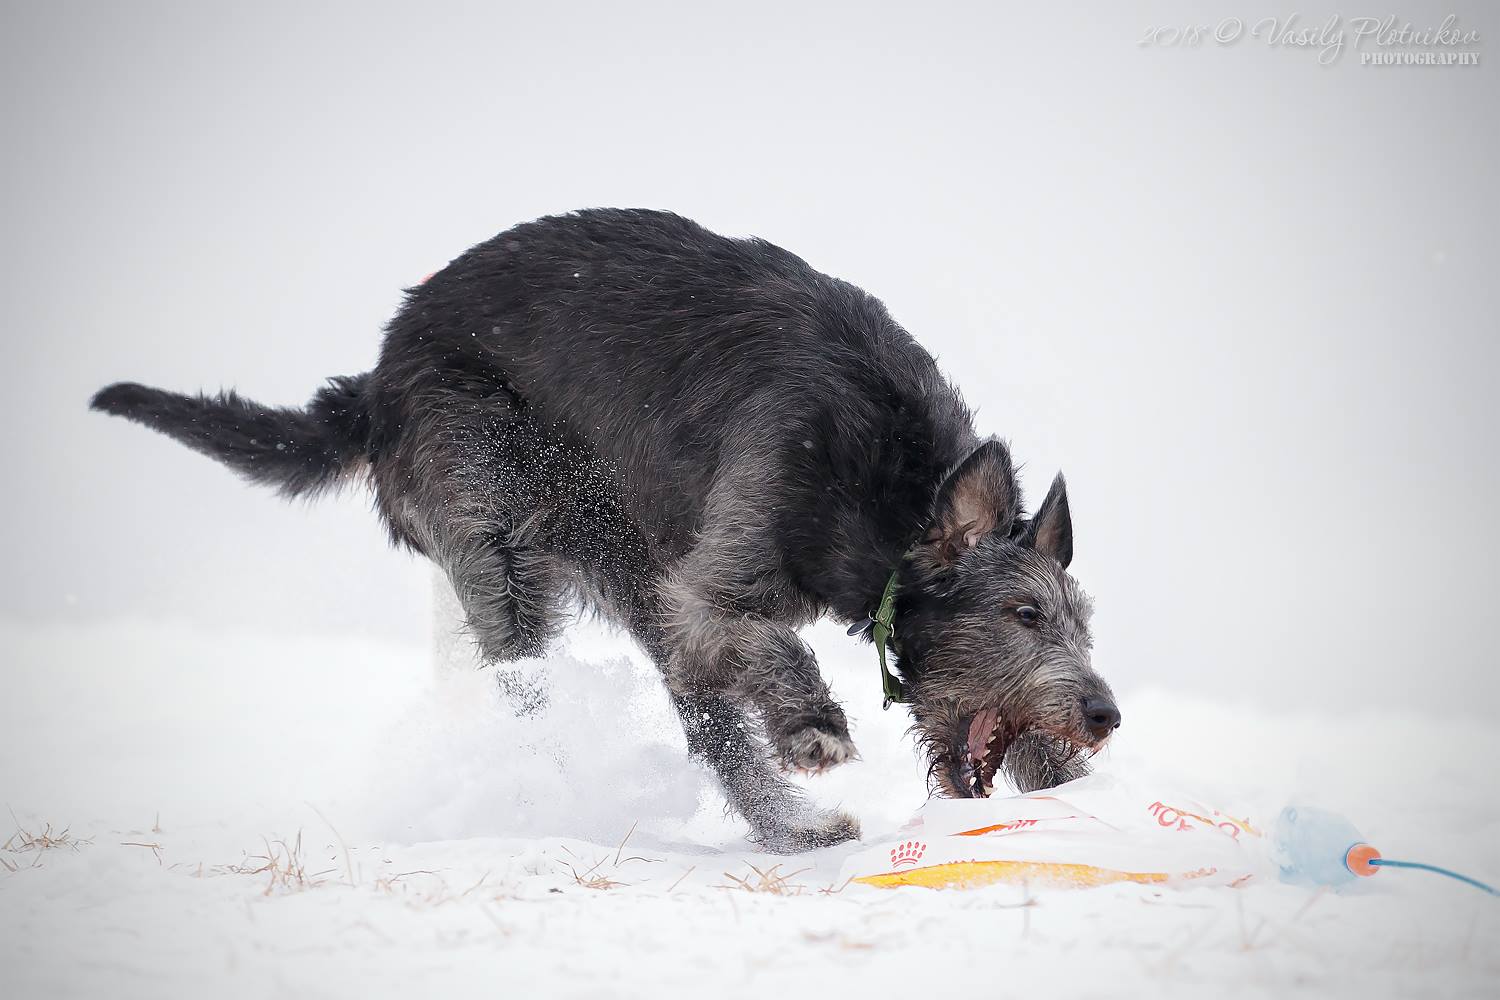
[{"x": 713, "y": 444}]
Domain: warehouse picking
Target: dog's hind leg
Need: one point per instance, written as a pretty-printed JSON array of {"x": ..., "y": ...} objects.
[
  {"x": 524, "y": 685},
  {"x": 457, "y": 503},
  {"x": 507, "y": 585}
]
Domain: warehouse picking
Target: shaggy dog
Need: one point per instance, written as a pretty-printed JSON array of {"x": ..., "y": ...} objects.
[{"x": 713, "y": 444}]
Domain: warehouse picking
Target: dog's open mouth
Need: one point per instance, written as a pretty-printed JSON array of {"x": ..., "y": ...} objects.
[
  {"x": 1031, "y": 756},
  {"x": 986, "y": 748}
]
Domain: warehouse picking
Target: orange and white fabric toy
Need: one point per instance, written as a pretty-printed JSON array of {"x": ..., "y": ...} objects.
[{"x": 1094, "y": 831}]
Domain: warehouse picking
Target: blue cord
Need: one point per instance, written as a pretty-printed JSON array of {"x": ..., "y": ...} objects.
[{"x": 1388, "y": 863}]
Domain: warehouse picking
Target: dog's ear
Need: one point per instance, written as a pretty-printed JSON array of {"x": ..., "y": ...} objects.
[
  {"x": 1050, "y": 532},
  {"x": 978, "y": 498}
]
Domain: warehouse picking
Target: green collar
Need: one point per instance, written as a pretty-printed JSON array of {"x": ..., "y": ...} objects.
[
  {"x": 885, "y": 635},
  {"x": 882, "y": 628}
]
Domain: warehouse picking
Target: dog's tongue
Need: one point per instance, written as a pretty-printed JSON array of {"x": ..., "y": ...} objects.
[{"x": 979, "y": 732}]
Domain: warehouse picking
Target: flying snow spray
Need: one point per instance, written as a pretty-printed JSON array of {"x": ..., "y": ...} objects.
[{"x": 1317, "y": 847}]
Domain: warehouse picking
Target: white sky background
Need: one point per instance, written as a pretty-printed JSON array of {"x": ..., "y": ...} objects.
[{"x": 1246, "y": 302}]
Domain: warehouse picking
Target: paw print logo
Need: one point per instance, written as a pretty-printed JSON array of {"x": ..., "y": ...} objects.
[{"x": 908, "y": 854}]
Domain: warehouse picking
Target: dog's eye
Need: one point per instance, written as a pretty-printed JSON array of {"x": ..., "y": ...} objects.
[{"x": 1028, "y": 614}]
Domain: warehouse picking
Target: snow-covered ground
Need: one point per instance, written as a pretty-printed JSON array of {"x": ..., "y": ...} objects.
[{"x": 235, "y": 815}]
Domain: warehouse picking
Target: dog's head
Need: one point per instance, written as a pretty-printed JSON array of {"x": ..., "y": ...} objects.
[{"x": 993, "y": 636}]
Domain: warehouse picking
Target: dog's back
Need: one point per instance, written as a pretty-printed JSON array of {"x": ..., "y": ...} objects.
[{"x": 660, "y": 347}]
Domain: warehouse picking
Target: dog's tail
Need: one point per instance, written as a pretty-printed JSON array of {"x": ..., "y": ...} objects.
[{"x": 300, "y": 452}]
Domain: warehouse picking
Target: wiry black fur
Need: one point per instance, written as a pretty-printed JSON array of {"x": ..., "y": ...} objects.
[{"x": 713, "y": 444}]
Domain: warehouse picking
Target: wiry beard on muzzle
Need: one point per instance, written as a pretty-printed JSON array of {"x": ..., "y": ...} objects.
[{"x": 1036, "y": 760}]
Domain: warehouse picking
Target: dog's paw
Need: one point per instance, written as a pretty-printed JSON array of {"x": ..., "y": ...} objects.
[
  {"x": 815, "y": 748},
  {"x": 822, "y": 828}
]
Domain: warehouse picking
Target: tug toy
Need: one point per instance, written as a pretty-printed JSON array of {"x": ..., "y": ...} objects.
[{"x": 1098, "y": 830}]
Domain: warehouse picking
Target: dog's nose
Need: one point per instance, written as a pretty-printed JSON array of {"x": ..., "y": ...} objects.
[{"x": 1101, "y": 717}]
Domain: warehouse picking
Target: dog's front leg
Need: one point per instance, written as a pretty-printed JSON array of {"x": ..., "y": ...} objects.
[
  {"x": 726, "y": 642},
  {"x": 780, "y": 818},
  {"x": 753, "y": 659},
  {"x": 779, "y": 675}
]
